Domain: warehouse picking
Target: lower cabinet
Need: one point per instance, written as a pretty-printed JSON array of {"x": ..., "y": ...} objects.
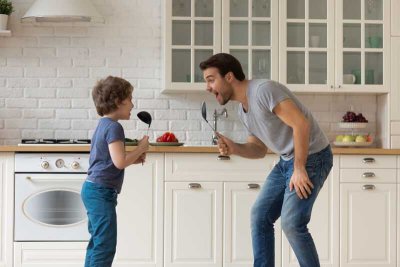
[
  {"x": 6, "y": 208},
  {"x": 49, "y": 254},
  {"x": 324, "y": 224},
  {"x": 368, "y": 225},
  {"x": 398, "y": 222}
]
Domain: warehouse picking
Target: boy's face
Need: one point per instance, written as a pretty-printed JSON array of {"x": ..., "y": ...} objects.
[
  {"x": 217, "y": 85},
  {"x": 124, "y": 109}
]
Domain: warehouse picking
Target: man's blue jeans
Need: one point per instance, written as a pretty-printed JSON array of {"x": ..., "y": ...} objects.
[
  {"x": 100, "y": 203},
  {"x": 275, "y": 199}
]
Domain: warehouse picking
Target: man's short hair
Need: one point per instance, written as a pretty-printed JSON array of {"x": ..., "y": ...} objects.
[
  {"x": 108, "y": 93},
  {"x": 224, "y": 63}
]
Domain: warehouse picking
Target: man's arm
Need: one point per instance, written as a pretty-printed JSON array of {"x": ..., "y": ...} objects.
[
  {"x": 254, "y": 148},
  {"x": 292, "y": 116}
]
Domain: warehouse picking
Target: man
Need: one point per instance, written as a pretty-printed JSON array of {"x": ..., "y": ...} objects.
[{"x": 274, "y": 118}]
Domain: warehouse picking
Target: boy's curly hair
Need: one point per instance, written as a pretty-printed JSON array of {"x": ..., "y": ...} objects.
[{"x": 108, "y": 93}]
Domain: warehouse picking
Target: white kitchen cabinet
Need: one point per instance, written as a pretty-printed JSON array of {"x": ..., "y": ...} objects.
[
  {"x": 193, "y": 224},
  {"x": 49, "y": 254},
  {"x": 335, "y": 45},
  {"x": 239, "y": 197},
  {"x": 395, "y": 93},
  {"x": 398, "y": 224},
  {"x": 6, "y": 208},
  {"x": 324, "y": 224},
  {"x": 140, "y": 215},
  {"x": 368, "y": 210},
  {"x": 196, "y": 29},
  {"x": 395, "y": 11}
]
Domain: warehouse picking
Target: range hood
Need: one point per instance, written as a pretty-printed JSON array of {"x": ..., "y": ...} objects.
[{"x": 62, "y": 11}]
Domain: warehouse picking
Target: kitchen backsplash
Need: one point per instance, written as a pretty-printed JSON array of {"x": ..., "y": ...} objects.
[{"x": 47, "y": 71}]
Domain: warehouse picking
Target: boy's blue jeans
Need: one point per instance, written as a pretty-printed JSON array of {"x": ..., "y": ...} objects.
[
  {"x": 100, "y": 203},
  {"x": 275, "y": 199}
]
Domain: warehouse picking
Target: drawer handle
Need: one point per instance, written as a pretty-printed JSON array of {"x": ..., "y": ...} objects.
[
  {"x": 368, "y": 187},
  {"x": 222, "y": 157},
  {"x": 368, "y": 174},
  {"x": 194, "y": 185},
  {"x": 368, "y": 160},
  {"x": 253, "y": 186}
]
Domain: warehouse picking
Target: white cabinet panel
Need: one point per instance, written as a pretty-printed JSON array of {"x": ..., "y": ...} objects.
[
  {"x": 49, "y": 254},
  {"x": 395, "y": 26},
  {"x": 239, "y": 198},
  {"x": 395, "y": 78},
  {"x": 368, "y": 225},
  {"x": 324, "y": 224},
  {"x": 6, "y": 208},
  {"x": 368, "y": 175},
  {"x": 368, "y": 161},
  {"x": 193, "y": 224},
  {"x": 206, "y": 167},
  {"x": 140, "y": 214}
]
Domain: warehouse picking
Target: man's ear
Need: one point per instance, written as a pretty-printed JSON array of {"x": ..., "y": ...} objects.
[{"x": 229, "y": 76}]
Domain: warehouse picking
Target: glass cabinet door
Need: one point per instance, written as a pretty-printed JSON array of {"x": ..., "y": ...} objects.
[
  {"x": 307, "y": 45},
  {"x": 362, "y": 27},
  {"x": 192, "y": 35},
  {"x": 250, "y": 34}
]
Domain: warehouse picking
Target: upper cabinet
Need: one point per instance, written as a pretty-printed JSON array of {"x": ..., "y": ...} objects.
[
  {"x": 339, "y": 45},
  {"x": 308, "y": 45},
  {"x": 192, "y": 34},
  {"x": 197, "y": 29},
  {"x": 250, "y": 33},
  {"x": 395, "y": 9}
]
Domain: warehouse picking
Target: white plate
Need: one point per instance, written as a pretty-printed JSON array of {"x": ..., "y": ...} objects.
[
  {"x": 352, "y": 143},
  {"x": 353, "y": 125},
  {"x": 166, "y": 144}
]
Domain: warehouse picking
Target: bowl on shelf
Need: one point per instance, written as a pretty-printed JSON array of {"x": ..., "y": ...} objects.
[
  {"x": 353, "y": 125},
  {"x": 352, "y": 144}
]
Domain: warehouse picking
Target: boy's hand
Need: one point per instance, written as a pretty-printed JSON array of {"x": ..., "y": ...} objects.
[
  {"x": 225, "y": 145},
  {"x": 141, "y": 159},
  {"x": 144, "y": 143}
]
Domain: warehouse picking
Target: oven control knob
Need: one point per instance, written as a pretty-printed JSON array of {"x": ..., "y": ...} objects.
[
  {"x": 45, "y": 164},
  {"x": 75, "y": 165}
]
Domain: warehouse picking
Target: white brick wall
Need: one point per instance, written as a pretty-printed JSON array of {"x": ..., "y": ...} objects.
[{"x": 47, "y": 71}]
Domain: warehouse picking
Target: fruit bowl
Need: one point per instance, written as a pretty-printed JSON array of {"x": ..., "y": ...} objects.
[
  {"x": 353, "y": 125},
  {"x": 346, "y": 144}
]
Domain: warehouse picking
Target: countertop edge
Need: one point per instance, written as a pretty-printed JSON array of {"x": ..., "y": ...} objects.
[{"x": 187, "y": 149}]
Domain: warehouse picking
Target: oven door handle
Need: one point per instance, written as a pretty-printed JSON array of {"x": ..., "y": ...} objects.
[{"x": 57, "y": 179}]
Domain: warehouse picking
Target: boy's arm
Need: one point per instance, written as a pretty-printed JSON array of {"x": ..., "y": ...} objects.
[{"x": 121, "y": 159}]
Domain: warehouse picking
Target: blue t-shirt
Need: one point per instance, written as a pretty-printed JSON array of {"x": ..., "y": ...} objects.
[{"x": 101, "y": 168}]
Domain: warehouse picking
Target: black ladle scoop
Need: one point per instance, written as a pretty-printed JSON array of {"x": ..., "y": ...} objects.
[
  {"x": 204, "y": 115},
  {"x": 145, "y": 117}
]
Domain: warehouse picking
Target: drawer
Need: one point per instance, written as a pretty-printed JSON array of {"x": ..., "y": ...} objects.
[
  {"x": 367, "y": 175},
  {"x": 206, "y": 167},
  {"x": 368, "y": 161}
]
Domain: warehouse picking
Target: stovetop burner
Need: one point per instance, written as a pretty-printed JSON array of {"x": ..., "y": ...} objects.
[{"x": 56, "y": 141}]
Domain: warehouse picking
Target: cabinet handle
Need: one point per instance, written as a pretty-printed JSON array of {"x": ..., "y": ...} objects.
[
  {"x": 368, "y": 187},
  {"x": 253, "y": 186},
  {"x": 222, "y": 157},
  {"x": 340, "y": 86},
  {"x": 368, "y": 160},
  {"x": 368, "y": 175},
  {"x": 194, "y": 185}
]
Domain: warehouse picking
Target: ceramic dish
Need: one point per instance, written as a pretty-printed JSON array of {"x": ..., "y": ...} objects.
[
  {"x": 353, "y": 125},
  {"x": 166, "y": 144},
  {"x": 344, "y": 144}
]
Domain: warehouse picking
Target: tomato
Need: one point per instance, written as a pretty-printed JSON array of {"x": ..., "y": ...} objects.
[{"x": 167, "y": 137}]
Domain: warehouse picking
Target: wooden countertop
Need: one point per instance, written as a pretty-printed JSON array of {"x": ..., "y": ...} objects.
[{"x": 185, "y": 149}]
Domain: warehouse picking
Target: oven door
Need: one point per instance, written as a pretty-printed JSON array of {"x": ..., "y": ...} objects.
[{"x": 48, "y": 207}]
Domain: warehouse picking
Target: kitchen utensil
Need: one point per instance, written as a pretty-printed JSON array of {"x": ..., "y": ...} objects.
[
  {"x": 145, "y": 117},
  {"x": 204, "y": 115}
]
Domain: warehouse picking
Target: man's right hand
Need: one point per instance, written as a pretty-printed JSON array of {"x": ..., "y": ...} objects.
[{"x": 225, "y": 145}]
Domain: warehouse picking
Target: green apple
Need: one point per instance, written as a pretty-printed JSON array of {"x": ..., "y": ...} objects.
[
  {"x": 361, "y": 138},
  {"x": 348, "y": 138},
  {"x": 339, "y": 138}
]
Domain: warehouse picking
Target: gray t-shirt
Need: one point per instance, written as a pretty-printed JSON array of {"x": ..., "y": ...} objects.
[
  {"x": 101, "y": 167},
  {"x": 261, "y": 122}
]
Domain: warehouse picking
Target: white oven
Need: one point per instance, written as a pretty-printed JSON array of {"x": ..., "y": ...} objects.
[{"x": 48, "y": 205}]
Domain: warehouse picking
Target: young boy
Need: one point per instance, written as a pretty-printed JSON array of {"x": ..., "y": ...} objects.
[{"x": 108, "y": 159}]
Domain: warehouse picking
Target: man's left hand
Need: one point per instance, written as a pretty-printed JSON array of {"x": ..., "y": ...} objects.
[{"x": 301, "y": 183}]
